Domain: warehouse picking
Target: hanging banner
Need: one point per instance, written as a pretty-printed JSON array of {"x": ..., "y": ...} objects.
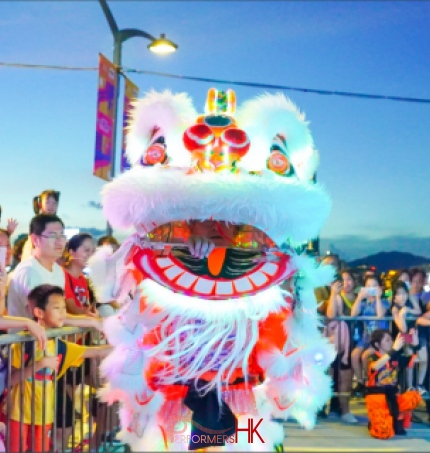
[
  {"x": 131, "y": 91},
  {"x": 105, "y": 126}
]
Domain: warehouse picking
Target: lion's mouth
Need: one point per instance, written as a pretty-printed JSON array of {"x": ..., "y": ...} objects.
[
  {"x": 228, "y": 272},
  {"x": 223, "y": 263}
]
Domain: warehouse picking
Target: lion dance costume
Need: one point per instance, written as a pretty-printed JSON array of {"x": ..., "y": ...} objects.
[
  {"x": 207, "y": 348},
  {"x": 389, "y": 411}
]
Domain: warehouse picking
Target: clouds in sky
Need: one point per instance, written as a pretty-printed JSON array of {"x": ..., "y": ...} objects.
[{"x": 94, "y": 204}]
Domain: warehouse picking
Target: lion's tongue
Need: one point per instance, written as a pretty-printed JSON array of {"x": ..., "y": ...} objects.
[{"x": 216, "y": 260}]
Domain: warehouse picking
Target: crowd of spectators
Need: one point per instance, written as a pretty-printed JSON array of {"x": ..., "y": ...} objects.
[
  {"x": 43, "y": 285},
  {"x": 353, "y": 308}
]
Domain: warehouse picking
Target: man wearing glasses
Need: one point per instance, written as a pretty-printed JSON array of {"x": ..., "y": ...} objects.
[{"x": 49, "y": 240}]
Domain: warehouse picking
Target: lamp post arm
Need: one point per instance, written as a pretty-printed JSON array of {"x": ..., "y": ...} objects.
[
  {"x": 128, "y": 33},
  {"x": 109, "y": 17},
  {"x": 122, "y": 35}
]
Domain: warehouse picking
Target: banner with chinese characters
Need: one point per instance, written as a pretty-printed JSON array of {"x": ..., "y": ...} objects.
[
  {"x": 131, "y": 91},
  {"x": 105, "y": 125}
]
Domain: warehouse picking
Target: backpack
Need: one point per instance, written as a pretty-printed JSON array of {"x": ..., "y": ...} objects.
[{"x": 28, "y": 354}]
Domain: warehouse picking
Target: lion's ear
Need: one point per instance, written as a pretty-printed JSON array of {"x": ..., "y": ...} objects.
[
  {"x": 159, "y": 114},
  {"x": 266, "y": 119}
]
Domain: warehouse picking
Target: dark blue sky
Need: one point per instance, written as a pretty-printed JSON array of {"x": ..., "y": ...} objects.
[{"x": 374, "y": 154}]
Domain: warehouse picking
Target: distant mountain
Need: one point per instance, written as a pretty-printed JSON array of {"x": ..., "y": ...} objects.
[{"x": 384, "y": 261}]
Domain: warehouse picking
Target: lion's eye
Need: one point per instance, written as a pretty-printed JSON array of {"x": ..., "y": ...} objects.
[
  {"x": 155, "y": 154},
  {"x": 279, "y": 163}
]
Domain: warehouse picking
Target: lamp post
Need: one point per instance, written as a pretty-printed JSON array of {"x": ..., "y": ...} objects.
[{"x": 157, "y": 45}]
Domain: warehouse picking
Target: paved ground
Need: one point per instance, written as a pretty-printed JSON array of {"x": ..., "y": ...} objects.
[{"x": 331, "y": 435}]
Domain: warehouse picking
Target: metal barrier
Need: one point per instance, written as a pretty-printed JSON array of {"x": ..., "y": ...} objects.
[{"x": 35, "y": 397}]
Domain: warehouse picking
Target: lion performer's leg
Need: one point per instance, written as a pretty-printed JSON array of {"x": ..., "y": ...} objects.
[
  {"x": 407, "y": 403},
  {"x": 380, "y": 419}
]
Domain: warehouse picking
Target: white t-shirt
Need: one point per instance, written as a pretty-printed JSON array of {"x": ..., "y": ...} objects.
[
  {"x": 26, "y": 276},
  {"x": 27, "y": 250}
]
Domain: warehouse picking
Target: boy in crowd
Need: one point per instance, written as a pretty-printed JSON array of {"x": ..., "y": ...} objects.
[
  {"x": 385, "y": 406},
  {"x": 49, "y": 308}
]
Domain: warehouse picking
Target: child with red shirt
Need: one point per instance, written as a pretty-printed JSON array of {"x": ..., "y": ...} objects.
[{"x": 79, "y": 250}]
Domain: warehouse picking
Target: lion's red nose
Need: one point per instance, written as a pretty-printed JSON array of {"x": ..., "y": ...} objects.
[
  {"x": 198, "y": 137},
  {"x": 236, "y": 140}
]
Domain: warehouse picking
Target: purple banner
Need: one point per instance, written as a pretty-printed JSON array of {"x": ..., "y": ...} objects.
[
  {"x": 105, "y": 119},
  {"x": 131, "y": 91}
]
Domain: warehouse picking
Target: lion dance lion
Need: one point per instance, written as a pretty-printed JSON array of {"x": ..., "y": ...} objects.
[{"x": 218, "y": 335}]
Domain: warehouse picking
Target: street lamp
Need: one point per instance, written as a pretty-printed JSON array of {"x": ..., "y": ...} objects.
[{"x": 160, "y": 45}]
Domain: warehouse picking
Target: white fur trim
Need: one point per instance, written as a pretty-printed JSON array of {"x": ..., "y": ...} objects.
[
  {"x": 253, "y": 307},
  {"x": 172, "y": 113},
  {"x": 282, "y": 208},
  {"x": 124, "y": 367},
  {"x": 152, "y": 438},
  {"x": 267, "y": 115},
  {"x": 100, "y": 270},
  {"x": 275, "y": 363},
  {"x": 117, "y": 333},
  {"x": 262, "y": 400},
  {"x": 314, "y": 274}
]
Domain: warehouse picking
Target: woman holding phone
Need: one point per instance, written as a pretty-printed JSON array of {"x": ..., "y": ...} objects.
[
  {"x": 341, "y": 300},
  {"x": 369, "y": 303},
  {"x": 405, "y": 311}
]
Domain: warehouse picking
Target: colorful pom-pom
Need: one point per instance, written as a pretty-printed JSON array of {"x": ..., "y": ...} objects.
[
  {"x": 236, "y": 140},
  {"x": 198, "y": 137}
]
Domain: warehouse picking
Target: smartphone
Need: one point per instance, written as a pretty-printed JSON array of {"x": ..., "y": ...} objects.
[
  {"x": 407, "y": 337},
  {"x": 371, "y": 291},
  {"x": 3, "y": 253}
]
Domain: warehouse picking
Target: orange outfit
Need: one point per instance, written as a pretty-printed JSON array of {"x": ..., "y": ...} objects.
[
  {"x": 382, "y": 398},
  {"x": 41, "y": 437},
  {"x": 380, "y": 419}
]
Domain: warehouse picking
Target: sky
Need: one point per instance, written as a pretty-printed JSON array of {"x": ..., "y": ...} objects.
[{"x": 374, "y": 154}]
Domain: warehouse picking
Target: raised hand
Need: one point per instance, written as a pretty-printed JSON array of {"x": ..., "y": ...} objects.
[
  {"x": 399, "y": 342},
  {"x": 11, "y": 225},
  {"x": 39, "y": 332},
  {"x": 336, "y": 287},
  {"x": 49, "y": 362},
  {"x": 200, "y": 247}
]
